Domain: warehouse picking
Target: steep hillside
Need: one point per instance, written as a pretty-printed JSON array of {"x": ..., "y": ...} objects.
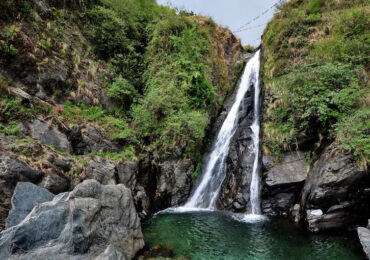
[
  {"x": 120, "y": 86},
  {"x": 316, "y": 70},
  {"x": 316, "y": 115}
]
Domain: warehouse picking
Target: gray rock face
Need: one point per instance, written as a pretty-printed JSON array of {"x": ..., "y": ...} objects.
[
  {"x": 47, "y": 134},
  {"x": 97, "y": 142},
  {"x": 337, "y": 186},
  {"x": 101, "y": 170},
  {"x": 174, "y": 185},
  {"x": 77, "y": 225},
  {"x": 291, "y": 169},
  {"x": 282, "y": 183},
  {"x": 26, "y": 196},
  {"x": 127, "y": 172},
  {"x": 11, "y": 172},
  {"x": 364, "y": 235}
]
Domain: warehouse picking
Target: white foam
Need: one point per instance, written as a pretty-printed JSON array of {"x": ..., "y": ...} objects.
[
  {"x": 183, "y": 210},
  {"x": 250, "y": 218}
]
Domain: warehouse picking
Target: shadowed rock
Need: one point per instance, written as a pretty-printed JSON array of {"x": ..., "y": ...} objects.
[
  {"x": 337, "y": 186},
  {"x": 283, "y": 182}
]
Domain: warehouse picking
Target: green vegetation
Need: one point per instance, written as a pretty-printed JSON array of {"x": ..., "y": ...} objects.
[
  {"x": 116, "y": 128},
  {"x": 7, "y": 41},
  {"x": 14, "y": 109},
  {"x": 163, "y": 62},
  {"x": 249, "y": 48},
  {"x": 11, "y": 129},
  {"x": 122, "y": 91},
  {"x": 317, "y": 61},
  {"x": 146, "y": 75}
]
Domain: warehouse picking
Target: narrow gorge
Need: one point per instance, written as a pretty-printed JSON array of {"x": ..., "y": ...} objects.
[{"x": 134, "y": 130}]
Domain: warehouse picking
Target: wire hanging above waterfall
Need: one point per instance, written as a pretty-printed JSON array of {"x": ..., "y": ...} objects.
[{"x": 244, "y": 27}]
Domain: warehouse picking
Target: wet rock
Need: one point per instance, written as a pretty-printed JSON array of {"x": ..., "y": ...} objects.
[
  {"x": 26, "y": 195},
  {"x": 234, "y": 194},
  {"x": 12, "y": 171},
  {"x": 282, "y": 183},
  {"x": 46, "y": 133},
  {"x": 337, "y": 186},
  {"x": 77, "y": 225},
  {"x": 102, "y": 170},
  {"x": 364, "y": 235},
  {"x": 77, "y": 141}
]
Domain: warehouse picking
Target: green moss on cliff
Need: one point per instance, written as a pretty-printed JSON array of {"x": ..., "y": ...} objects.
[{"x": 316, "y": 70}]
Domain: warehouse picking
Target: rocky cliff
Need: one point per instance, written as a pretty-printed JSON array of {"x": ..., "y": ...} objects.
[{"x": 316, "y": 157}]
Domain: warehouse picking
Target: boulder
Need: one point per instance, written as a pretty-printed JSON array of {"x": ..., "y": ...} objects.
[
  {"x": 337, "y": 186},
  {"x": 46, "y": 133},
  {"x": 93, "y": 221},
  {"x": 364, "y": 235},
  {"x": 12, "y": 171},
  {"x": 102, "y": 170},
  {"x": 282, "y": 182},
  {"x": 26, "y": 195}
]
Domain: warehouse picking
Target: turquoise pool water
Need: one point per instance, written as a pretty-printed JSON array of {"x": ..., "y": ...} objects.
[{"x": 213, "y": 236}]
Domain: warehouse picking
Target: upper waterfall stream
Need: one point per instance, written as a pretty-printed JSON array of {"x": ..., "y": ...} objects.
[{"x": 206, "y": 193}]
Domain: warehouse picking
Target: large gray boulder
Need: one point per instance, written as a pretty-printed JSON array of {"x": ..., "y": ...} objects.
[
  {"x": 26, "y": 195},
  {"x": 81, "y": 224},
  {"x": 46, "y": 133},
  {"x": 283, "y": 182},
  {"x": 364, "y": 235},
  {"x": 12, "y": 171},
  {"x": 337, "y": 187}
]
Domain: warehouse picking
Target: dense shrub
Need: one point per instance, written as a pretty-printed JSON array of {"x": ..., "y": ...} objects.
[{"x": 122, "y": 91}]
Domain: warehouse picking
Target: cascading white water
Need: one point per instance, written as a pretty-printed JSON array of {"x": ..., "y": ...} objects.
[
  {"x": 206, "y": 193},
  {"x": 255, "y": 187}
]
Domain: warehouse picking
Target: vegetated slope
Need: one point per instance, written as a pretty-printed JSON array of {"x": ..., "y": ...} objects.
[
  {"x": 147, "y": 76},
  {"x": 316, "y": 70},
  {"x": 108, "y": 88}
]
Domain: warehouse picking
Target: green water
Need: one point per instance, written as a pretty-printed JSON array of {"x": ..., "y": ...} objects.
[{"x": 213, "y": 236}]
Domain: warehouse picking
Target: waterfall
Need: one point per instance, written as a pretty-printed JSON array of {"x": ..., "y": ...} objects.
[{"x": 206, "y": 193}]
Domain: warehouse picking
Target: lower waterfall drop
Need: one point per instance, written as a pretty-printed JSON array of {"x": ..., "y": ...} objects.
[{"x": 206, "y": 193}]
